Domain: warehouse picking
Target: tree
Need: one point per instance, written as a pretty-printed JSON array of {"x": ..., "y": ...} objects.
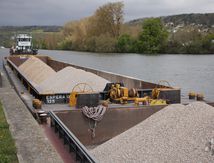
[
  {"x": 125, "y": 43},
  {"x": 108, "y": 19},
  {"x": 208, "y": 44},
  {"x": 105, "y": 43},
  {"x": 153, "y": 38},
  {"x": 66, "y": 44},
  {"x": 95, "y": 32}
]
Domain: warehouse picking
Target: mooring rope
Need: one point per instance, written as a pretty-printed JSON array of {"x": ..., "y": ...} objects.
[{"x": 94, "y": 113}]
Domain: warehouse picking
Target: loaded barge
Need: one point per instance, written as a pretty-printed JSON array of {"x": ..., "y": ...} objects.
[
  {"x": 49, "y": 96},
  {"x": 52, "y": 83}
]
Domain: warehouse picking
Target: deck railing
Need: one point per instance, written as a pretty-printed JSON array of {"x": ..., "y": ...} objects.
[{"x": 70, "y": 139}]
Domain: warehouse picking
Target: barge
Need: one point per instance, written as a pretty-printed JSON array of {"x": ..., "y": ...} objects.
[
  {"x": 80, "y": 133},
  {"x": 58, "y": 96}
]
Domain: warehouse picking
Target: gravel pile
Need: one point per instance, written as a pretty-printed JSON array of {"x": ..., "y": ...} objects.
[
  {"x": 36, "y": 70},
  {"x": 46, "y": 80},
  {"x": 175, "y": 134},
  {"x": 64, "y": 81}
]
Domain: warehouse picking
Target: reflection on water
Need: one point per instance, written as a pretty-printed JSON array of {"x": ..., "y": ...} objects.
[{"x": 189, "y": 72}]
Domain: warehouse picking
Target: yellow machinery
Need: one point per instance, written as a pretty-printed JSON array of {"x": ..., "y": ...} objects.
[
  {"x": 143, "y": 100},
  {"x": 162, "y": 84},
  {"x": 155, "y": 93},
  {"x": 148, "y": 101},
  {"x": 119, "y": 94},
  {"x": 79, "y": 88},
  {"x": 73, "y": 98},
  {"x": 192, "y": 95},
  {"x": 198, "y": 96},
  {"x": 158, "y": 102},
  {"x": 122, "y": 95}
]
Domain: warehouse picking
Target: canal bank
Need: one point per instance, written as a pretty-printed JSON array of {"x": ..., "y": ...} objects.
[{"x": 32, "y": 144}]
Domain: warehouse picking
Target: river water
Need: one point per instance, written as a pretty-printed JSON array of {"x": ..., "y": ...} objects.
[{"x": 189, "y": 72}]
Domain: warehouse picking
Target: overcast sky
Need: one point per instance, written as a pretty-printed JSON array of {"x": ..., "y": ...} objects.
[{"x": 58, "y": 12}]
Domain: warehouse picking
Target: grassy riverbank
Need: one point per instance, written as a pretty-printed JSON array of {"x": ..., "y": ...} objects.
[{"x": 7, "y": 145}]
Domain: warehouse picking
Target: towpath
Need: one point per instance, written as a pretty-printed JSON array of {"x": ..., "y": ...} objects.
[{"x": 32, "y": 144}]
